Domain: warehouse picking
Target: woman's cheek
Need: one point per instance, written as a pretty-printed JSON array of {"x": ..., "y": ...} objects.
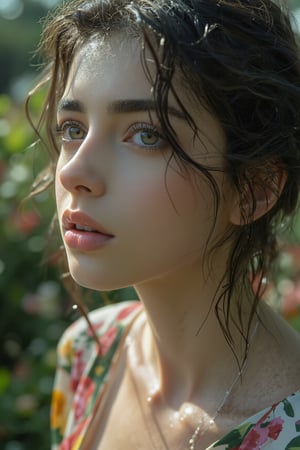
[{"x": 164, "y": 200}]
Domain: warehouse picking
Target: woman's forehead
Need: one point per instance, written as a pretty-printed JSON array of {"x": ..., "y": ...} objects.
[
  {"x": 106, "y": 62},
  {"x": 108, "y": 71}
]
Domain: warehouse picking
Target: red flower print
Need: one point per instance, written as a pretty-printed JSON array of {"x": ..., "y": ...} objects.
[
  {"x": 275, "y": 428},
  {"x": 261, "y": 433},
  {"x": 77, "y": 369},
  {"x": 84, "y": 392},
  {"x": 69, "y": 441},
  {"x": 127, "y": 310},
  {"x": 107, "y": 340},
  {"x": 255, "y": 438},
  {"x": 96, "y": 327}
]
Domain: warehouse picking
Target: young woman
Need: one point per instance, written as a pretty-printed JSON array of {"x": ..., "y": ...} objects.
[{"x": 174, "y": 131}]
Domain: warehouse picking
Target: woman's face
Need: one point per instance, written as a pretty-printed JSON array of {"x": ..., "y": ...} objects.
[{"x": 127, "y": 214}]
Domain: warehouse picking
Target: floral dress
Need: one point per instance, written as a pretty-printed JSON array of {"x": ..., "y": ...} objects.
[{"x": 84, "y": 368}]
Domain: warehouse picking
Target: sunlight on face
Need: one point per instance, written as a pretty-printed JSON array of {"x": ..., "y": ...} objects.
[{"x": 128, "y": 215}]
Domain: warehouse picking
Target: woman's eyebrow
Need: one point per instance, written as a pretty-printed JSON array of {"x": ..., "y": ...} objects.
[
  {"x": 118, "y": 106},
  {"x": 136, "y": 105},
  {"x": 68, "y": 104}
]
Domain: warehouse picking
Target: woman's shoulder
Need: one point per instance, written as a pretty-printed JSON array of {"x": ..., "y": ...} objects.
[
  {"x": 79, "y": 334},
  {"x": 276, "y": 427}
]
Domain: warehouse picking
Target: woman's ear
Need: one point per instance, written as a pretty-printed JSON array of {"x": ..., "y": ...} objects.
[{"x": 259, "y": 194}]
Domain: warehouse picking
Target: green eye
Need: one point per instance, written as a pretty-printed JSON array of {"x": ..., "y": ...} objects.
[
  {"x": 74, "y": 133},
  {"x": 146, "y": 136},
  {"x": 71, "y": 131}
]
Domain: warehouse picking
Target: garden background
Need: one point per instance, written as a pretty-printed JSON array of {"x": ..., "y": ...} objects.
[{"x": 34, "y": 308}]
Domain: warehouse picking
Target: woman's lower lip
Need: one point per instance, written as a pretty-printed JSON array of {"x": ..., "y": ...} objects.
[{"x": 85, "y": 241}]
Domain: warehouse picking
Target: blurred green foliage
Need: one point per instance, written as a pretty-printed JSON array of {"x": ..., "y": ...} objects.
[
  {"x": 31, "y": 298},
  {"x": 34, "y": 307}
]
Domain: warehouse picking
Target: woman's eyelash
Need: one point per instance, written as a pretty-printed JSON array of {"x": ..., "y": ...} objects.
[
  {"x": 144, "y": 126},
  {"x": 66, "y": 123},
  {"x": 140, "y": 134},
  {"x": 64, "y": 131},
  {"x": 152, "y": 139}
]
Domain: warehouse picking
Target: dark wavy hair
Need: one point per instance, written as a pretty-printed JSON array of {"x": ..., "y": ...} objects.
[{"x": 238, "y": 58}]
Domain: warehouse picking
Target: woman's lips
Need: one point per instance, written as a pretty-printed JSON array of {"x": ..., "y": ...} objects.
[{"x": 82, "y": 233}]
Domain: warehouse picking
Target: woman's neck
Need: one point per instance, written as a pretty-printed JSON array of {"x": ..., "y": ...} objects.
[{"x": 182, "y": 338}]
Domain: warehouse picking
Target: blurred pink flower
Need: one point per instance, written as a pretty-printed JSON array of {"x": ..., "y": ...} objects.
[
  {"x": 290, "y": 304},
  {"x": 25, "y": 222}
]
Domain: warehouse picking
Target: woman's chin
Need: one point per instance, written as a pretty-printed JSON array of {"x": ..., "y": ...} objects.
[{"x": 95, "y": 282}]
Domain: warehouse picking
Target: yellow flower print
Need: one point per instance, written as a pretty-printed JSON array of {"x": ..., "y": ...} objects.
[
  {"x": 66, "y": 349},
  {"x": 58, "y": 406},
  {"x": 99, "y": 370},
  {"x": 77, "y": 442}
]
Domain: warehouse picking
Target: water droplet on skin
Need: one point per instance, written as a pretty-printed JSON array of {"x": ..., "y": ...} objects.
[
  {"x": 188, "y": 410},
  {"x": 174, "y": 418}
]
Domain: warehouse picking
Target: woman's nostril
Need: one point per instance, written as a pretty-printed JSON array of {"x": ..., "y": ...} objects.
[{"x": 82, "y": 188}]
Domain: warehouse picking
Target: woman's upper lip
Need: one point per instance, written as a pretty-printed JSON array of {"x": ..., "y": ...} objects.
[{"x": 72, "y": 218}]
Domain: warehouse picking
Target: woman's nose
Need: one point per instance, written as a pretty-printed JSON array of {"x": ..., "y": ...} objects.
[{"x": 81, "y": 174}]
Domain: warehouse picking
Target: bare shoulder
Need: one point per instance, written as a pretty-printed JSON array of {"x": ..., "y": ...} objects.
[{"x": 274, "y": 363}]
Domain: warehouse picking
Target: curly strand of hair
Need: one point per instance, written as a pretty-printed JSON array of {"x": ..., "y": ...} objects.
[{"x": 74, "y": 291}]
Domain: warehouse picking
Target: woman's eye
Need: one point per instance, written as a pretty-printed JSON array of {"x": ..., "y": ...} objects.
[
  {"x": 145, "y": 135},
  {"x": 71, "y": 131}
]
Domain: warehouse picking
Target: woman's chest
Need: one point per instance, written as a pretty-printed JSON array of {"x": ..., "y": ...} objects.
[{"x": 127, "y": 420}]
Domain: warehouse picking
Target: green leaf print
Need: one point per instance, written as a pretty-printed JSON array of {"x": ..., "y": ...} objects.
[
  {"x": 294, "y": 444},
  {"x": 288, "y": 409},
  {"x": 235, "y": 437},
  {"x": 66, "y": 367},
  {"x": 56, "y": 436}
]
